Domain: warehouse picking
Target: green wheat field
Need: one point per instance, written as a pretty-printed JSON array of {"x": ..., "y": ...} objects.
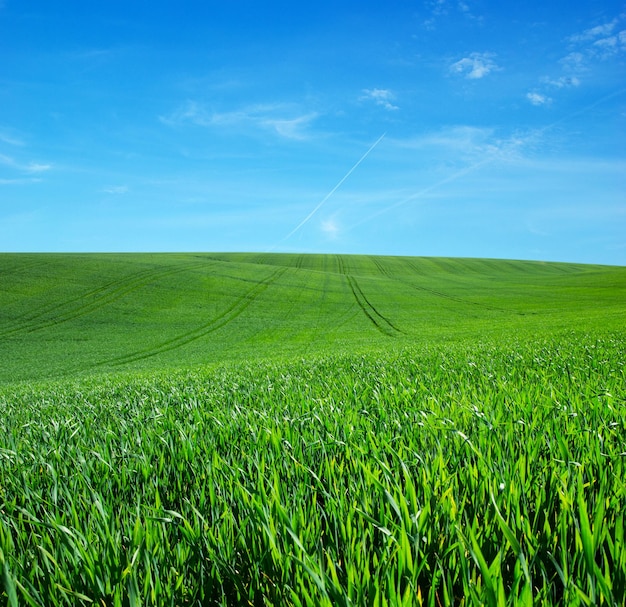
[{"x": 273, "y": 429}]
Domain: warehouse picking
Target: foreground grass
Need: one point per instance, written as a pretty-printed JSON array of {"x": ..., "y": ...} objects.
[{"x": 477, "y": 473}]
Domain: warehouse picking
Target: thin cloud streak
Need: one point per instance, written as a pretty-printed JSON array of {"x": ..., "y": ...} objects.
[
  {"x": 32, "y": 167},
  {"x": 321, "y": 203},
  {"x": 19, "y": 181},
  {"x": 261, "y": 116},
  {"x": 424, "y": 191},
  {"x": 116, "y": 189},
  {"x": 595, "y": 32},
  {"x": 10, "y": 140}
]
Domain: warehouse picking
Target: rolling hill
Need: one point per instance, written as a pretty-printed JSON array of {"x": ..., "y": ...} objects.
[{"x": 67, "y": 314}]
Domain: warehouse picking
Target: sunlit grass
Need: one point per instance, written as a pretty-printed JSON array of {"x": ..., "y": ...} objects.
[
  {"x": 245, "y": 429},
  {"x": 474, "y": 474},
  {"x": 63, "y": 315}
]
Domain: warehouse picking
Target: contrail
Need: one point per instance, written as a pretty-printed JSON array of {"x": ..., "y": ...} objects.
[
  {"x": 486, "y": 160},
  {"x": 434, "y": 186},
  {"x": 583, "y": 110},
  {"x": 319, "y": 205}
]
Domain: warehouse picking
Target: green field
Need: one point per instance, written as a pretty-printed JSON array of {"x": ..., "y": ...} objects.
[
  {"x": 62, "y": 315},
  {"x": 268, "y": 429}
]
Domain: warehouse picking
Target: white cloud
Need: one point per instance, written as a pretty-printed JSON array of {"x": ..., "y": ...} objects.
[
  {"x": 10, "y": 140},
  {"x": 612, "y": 45},
  {"x": 442, "y": 8},
  {"x": 466, "y": 144},
  {"x": 606, "y": 43},
  {"x": 574, "y": 62},
  {"x": 476, "y": 66},
  {"x": 382, "y": 97},
  {"x": 601, "y": 41},
  {"x": 277, "y": 117},
  {"x": 331, "y": 228},
  {"x": 32, "y": 167},
  {"x": 116, "y": 189},
  {"x": 293, "y": 128},
  {"x": 191, "y": 111},
  {"x": 562, "y": 82},
  {"x": 538, "y": 99},
  {"x": 459, "y": 137},
  {"x": 594, "y": 32},
  {"x": 7, "y": 161},
  {"x": 586, "y": 49},
  {"x": 18, "y": 181},
  {"x": 35, "y": 167},
  {"x": 438, "y": 7}
]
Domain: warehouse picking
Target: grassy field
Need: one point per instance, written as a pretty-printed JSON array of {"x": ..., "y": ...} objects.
[
  {"x": 62, "y": 315},
  {"x": 311, "y": 430}
]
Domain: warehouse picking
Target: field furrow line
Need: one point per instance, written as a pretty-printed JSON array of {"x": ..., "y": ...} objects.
[
  {"x": 454, "y": 298},
  {"x": 383, "y": 324},
  {"x": 45, "y": 309},
  {"x": 382, "y": 268},
  {"x": 103, "y": 296},
  {"x": 227, "y": 316}
]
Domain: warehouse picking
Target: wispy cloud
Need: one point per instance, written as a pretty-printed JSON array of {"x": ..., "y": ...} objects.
[
  {"x": 116, "y": 189},
  {"x": 382, "y": 97},
  {"x": 475, "y": 147},
  {"x": 593, "y": 33},
  {"x": 574, "y": 63},
  {"x": 561, "y": 82},
  {"x": 584, "y": 51},
  {"x": 35, "y": 167},
  {"x": 19, "y": 181},
  {"x": 538, "y": 99},
  {"x": 337, "y": 186},
  {"x": 599, "y": 42},
  {"x": 294, "y": 128},
  {"x": 331, "y": 228},
  {"x": 7, "y": 161},
  {"x": 10, "y": 139},
  {"x": 281, "y": 119},
  {"x": 610, "y": 46},
  {"x": 464, "y": 143},
  {"x": 437, "y": 9},
  {"x": 188, "y": 112},
  {"x": 475, "y": 66},
  {"x": 31, "y": 167}
]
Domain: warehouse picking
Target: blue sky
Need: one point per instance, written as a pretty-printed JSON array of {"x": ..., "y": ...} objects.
[{"x": 467, "y": 128}]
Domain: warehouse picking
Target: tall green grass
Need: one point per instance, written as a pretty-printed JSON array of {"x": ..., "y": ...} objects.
[{"x": 479, "y": 473}]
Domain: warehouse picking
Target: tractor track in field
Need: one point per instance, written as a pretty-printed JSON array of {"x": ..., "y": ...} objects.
[
  {"x": 453, "y": 298},
  {"x": 18, "y": 269},
  {"x": 99, "y": 298},
  {"x": 385, "y": 272},
  {"x": 382, "y": 323},
  {"x": 219, "y": 321}
]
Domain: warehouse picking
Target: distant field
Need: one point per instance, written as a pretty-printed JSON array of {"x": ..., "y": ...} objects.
[
  {"x": 239, "y": 429},
  {"x": 66, "y": 314}
]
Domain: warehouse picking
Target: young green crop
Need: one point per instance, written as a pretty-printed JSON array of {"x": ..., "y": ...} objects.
[
  {"x": 475, "y": 473},
  {"x": 82, "y": 314}
]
